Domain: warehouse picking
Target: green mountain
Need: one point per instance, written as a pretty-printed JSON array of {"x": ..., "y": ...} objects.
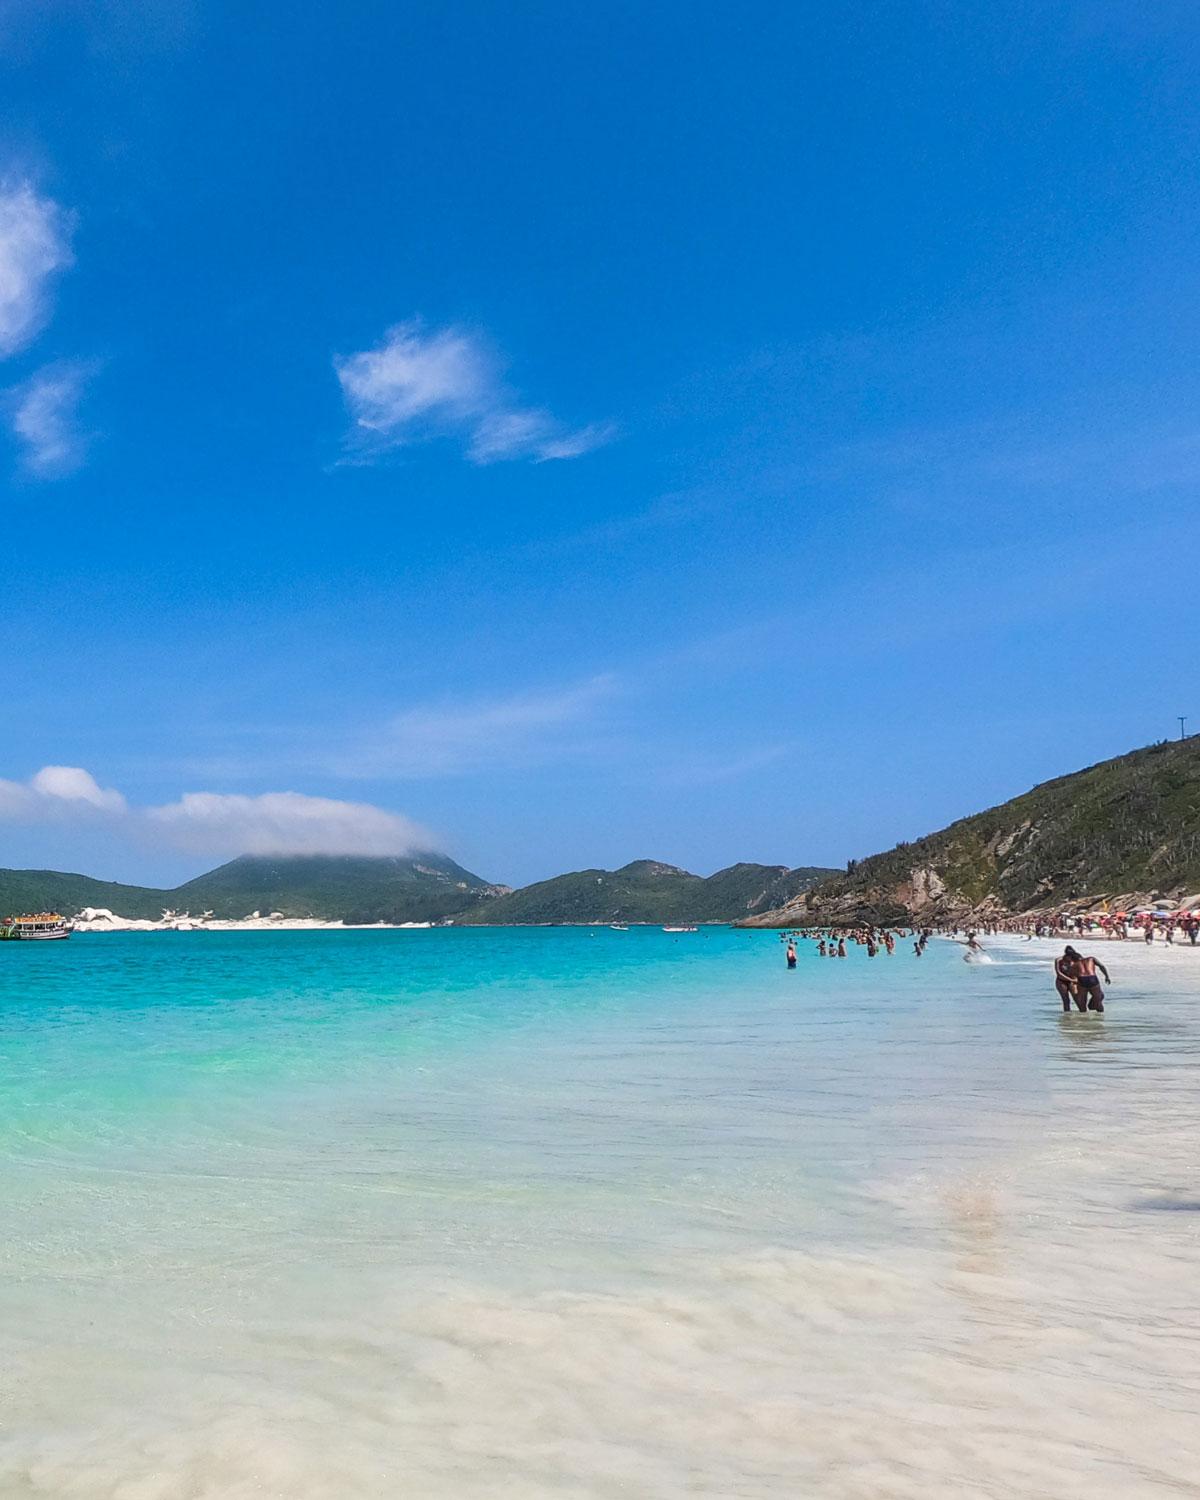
[
  {"x": 420, "y": 888},
  {"x": 353, "y": 888},
  {"x": 645, "y": 891},
  {"x": 1128, "y": 828},
  {"x": 54, "y": 890},
  {"x": 410, "y": 888}
]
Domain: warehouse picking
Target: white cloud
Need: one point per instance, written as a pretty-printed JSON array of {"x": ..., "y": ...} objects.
[
  {"x": 57, "y": 792},
  {"x": 43, "y": 414},
  {"x": 74, "y": 784},
  {"x": 34, "y": 244},
  {"x": 453, "y": 738},
  {"x": 213, "y": 822},
  {"x": 283, "y": 823},
  {"x": 419, "y": 385}
]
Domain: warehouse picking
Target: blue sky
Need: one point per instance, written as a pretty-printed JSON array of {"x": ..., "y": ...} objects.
[{"x": 580, "y": 433}]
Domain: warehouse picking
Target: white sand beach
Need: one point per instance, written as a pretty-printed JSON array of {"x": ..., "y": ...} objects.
[{"x": 101, "y": 919}]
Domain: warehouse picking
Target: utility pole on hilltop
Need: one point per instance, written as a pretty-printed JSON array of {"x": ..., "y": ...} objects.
[{"x": 1182, "y": 721}]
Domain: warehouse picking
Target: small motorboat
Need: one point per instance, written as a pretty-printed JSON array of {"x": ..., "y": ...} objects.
[{"x": 680, "y": 929}]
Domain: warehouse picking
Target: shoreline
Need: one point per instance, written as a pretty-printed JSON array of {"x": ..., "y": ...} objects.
[{"x": 112, "y": 923}]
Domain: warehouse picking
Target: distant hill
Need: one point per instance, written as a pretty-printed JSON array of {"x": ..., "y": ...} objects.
[
  {"x": 409, "y": 888},
  {"x": 419, "y": 888},
  {"x": 646, "y": 891},
  {"x": 1128, "y": 827},
  {"x": 353, "y": 888},
  {"x": 55, "y": 890}
]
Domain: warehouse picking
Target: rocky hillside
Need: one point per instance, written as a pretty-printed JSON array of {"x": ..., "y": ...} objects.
[
  {"x": 1127, "y": 827},
  {"x": 646, "y": 891}
]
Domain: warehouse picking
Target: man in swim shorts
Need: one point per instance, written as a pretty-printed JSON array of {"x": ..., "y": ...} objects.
[{"x": 1089, "y": 982}]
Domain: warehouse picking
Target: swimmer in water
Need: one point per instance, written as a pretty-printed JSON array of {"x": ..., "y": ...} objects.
[{"x": 791, "y": 953}]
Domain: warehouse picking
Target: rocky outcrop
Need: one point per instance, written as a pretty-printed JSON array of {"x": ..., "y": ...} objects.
[{"x": 1127, "y": 830}]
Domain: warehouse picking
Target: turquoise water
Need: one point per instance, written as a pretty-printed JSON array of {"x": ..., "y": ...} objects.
[{"x": 583, "y": 1213}]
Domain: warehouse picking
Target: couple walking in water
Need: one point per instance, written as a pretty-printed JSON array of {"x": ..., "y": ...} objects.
[{"x": 1075, "y": 978}]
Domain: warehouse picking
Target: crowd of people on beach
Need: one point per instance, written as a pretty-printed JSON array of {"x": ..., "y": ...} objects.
[
  {"x": 1142, "y": 926},
  {"x": 1076, "y": 975}
]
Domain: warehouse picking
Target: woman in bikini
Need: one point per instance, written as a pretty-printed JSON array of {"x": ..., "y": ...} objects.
[{"x": 1066, "y": 980}]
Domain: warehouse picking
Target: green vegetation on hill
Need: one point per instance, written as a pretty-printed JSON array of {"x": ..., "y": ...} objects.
[
  {"x": 645, "y": 891},
  {"x": 411, "y": 888},
  {"x": 55, "y": 890},
  {"x": 1126, "y": 826},
  {"x": 352, "y": 888},
  {"x": 419, "y": 888}
]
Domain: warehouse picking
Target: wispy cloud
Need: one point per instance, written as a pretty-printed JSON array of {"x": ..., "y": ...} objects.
[
  {"x": 35, "y": 236},
  {"x": 34, "y": 244},
  {"x": 1004, "y": 463},
  {"x": 44, "y": 414},
  {"x": 454, "y": 738},
  {"x": 214, "y": 823},
  {"x": 706, "y": 768},
  {"x": 421, "y": 384}
]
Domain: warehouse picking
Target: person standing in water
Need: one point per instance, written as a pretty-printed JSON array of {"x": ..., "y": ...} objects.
[
  {"x": 1089, "y": 982},
  {"x": 791, "y": 953},
  {"x": 1065, "y": 982}
]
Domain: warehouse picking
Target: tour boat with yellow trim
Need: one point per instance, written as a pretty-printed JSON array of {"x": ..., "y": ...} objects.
[{"x": 39, "y": 925}]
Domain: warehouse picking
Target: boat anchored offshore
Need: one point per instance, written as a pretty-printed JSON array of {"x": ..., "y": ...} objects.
[
  {"x": 40, "y": 925},
  {"x": 680, "y": 929}
]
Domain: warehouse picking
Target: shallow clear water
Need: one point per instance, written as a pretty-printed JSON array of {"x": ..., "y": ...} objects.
[{"x": 591, "y": 1214}]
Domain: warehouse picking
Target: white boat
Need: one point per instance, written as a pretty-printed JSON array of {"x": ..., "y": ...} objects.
[
  {"x": 680, "y": 929},
  {"x": 619, "y": 926},
  {"x": 40, "y": 926}
]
